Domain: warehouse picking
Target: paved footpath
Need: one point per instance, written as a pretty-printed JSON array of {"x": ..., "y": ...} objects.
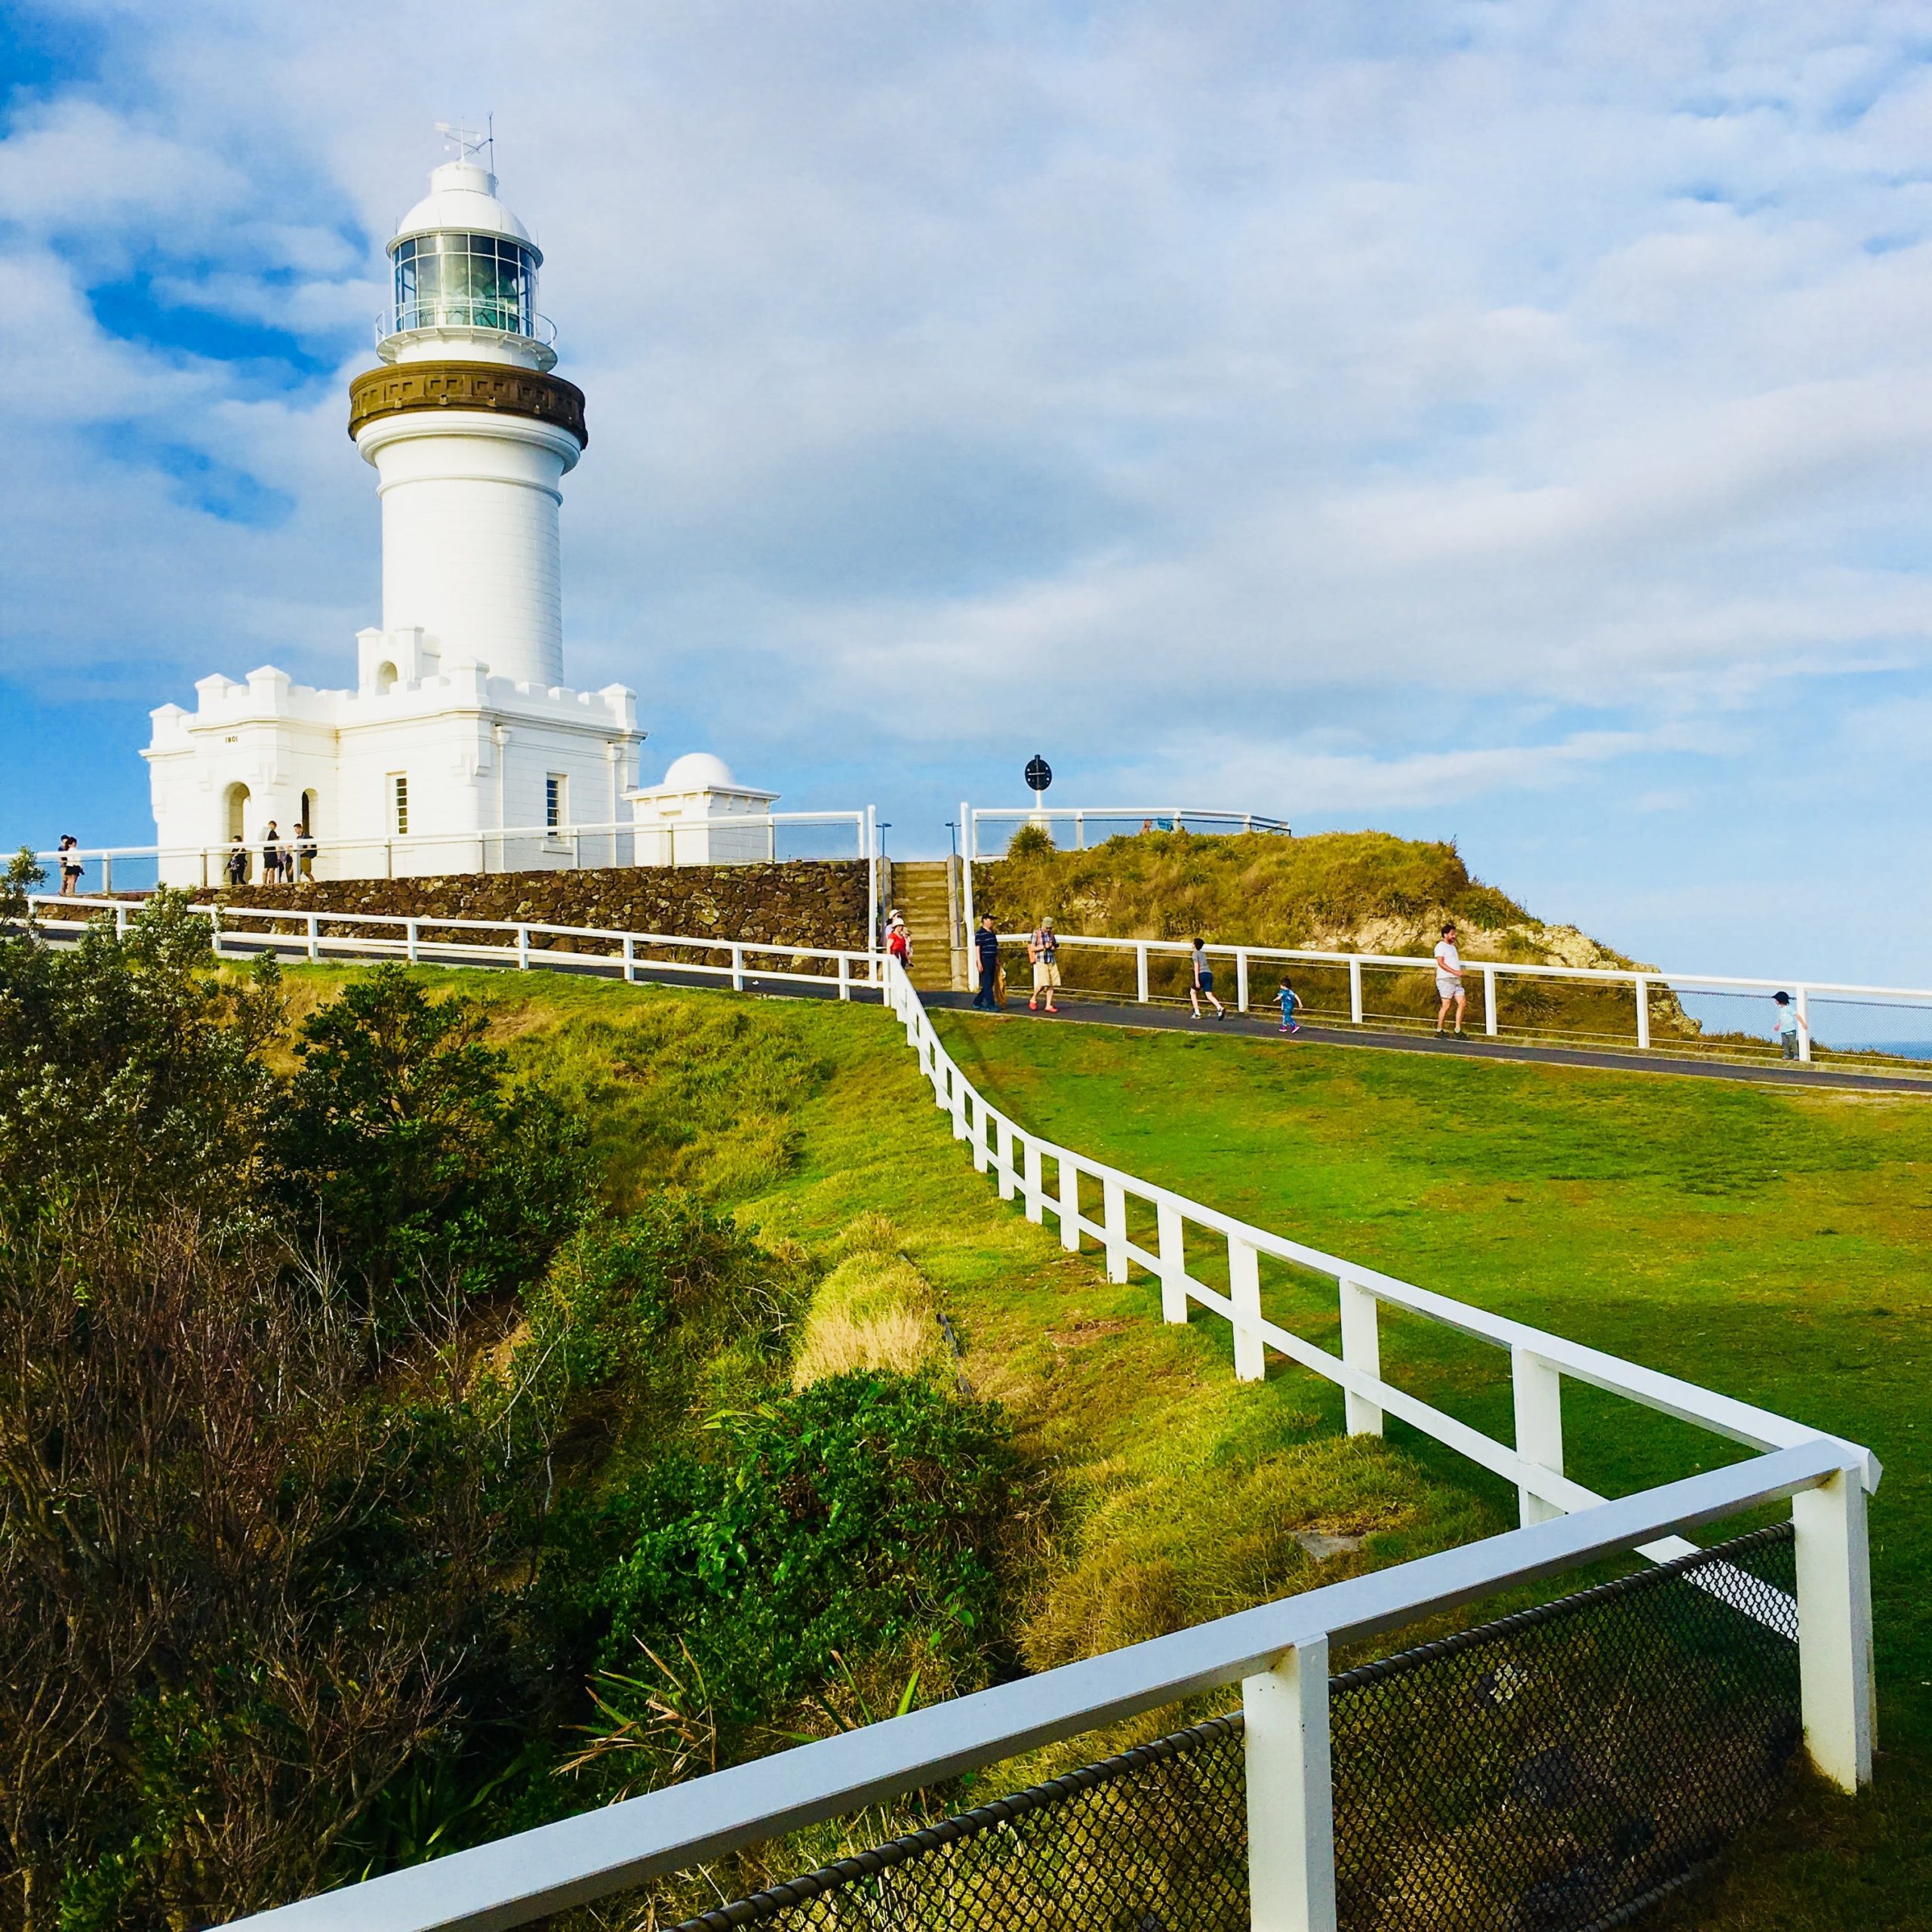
[
  {"x": 1475, "y": 1046},
  {"x": 1165, "y": 1019}
]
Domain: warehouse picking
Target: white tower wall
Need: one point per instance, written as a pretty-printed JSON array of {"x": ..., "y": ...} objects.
[{"x": 471, "y": 549}]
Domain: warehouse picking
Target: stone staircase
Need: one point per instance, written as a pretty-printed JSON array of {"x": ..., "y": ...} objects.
[{"x": 926, "y": 891}]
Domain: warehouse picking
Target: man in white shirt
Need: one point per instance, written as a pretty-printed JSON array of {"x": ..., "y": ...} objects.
[{"x": 1449, "y": 981}]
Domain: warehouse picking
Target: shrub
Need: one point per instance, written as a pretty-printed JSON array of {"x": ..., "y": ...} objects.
[{"x": 1030, "y": 841}]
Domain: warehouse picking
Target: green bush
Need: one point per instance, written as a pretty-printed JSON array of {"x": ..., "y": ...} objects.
[{"x": 863, "y": 1512}]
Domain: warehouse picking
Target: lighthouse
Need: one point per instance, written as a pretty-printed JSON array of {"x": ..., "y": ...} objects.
[
  {"x": 461, "y": 747},
  {"x": 470, "y": 433}
]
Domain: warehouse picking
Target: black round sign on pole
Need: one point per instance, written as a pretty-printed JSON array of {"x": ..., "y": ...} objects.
[{"x": 1039, "y": 773}]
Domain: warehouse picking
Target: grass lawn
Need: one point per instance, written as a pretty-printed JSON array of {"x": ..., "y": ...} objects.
[
  {"x": 1770, "y": 1244},
  {"x": 1766, "y": 1243}
]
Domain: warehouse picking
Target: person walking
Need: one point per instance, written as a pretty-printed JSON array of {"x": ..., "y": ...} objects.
[
  {"x": 271, "y": 856},
  {"x": 1291, "y": 1001},
  {"x": 1786, "y": 1025},
  {"x": 899, "y": 941},
  {"x": 305, "y": 853},
  {"x": 70, "y": 868},
  {"x": 985, "y": 944},
  {"x": 1449, "y": 981},
  {"x": 1202, "y": 981},
  {"x": 1043, "y": 949},
  {"x": 238, "y": 862}
]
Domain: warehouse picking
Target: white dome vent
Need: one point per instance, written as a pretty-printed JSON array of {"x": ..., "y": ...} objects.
[{"x": 700, "y": 771}]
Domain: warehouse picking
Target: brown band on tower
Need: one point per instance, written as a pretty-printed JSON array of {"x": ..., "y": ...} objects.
[{"x": 395, "y": 390}]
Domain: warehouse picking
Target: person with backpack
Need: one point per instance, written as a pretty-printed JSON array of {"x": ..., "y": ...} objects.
[
  {"x": 1043, "y": 949},
  {"x": 985, "y": 944},
  {"x": 305, "y": 853},
  {"x": 238, "y": 862},
  {"x": 1201, "y": 980}
]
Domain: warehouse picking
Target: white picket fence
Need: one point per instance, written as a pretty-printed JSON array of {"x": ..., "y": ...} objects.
[{"x": 1278, "y": 1654}]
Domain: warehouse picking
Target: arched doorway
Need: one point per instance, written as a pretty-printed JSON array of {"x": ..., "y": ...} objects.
[
  {"x": 238, "y": 811},
  {"x": 386, "y": 677}
]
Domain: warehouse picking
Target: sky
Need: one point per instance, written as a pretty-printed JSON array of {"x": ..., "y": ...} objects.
[{"x": 1510, "y": 422}]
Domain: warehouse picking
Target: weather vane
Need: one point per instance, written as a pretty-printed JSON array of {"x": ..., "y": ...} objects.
[{"x": 468, "y": 141}]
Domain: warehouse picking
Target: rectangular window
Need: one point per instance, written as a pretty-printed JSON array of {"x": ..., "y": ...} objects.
[
  {"x": 399, "y": 803},
  {"x": 556, "y": 800}
]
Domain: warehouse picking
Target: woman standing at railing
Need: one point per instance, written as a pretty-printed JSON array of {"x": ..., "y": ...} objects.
[{"x": 70, "y": 868}]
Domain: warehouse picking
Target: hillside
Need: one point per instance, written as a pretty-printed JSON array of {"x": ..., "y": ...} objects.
[{"x": 1334, "y": 891}]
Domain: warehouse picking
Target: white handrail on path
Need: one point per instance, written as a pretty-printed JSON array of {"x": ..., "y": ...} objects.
[
  {"x": 1490, "y": 972},
  {"x": 1278, "y": 1653}
]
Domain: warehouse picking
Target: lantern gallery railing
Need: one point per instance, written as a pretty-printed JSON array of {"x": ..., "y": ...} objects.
[
  {"x": 988, "y": 828},
  {"x": 1278, "y": 1652}
]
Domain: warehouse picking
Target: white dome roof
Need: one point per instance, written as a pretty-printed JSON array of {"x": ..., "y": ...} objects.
[
  {"x": 697, "y": 771},
  {"x": 463, "y": 200}
]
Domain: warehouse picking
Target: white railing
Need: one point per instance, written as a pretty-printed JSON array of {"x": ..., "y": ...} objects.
[
  {"x": 1278, "y": 1652},
  {"x": 746, "y": 838},
  {"x": 421, "y": 939},
  {"x": 1105, "y": 821},
  {"x": 1483, "y": 978}
]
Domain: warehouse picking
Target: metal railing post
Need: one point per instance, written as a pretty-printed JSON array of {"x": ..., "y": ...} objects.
[
  {"x": 1803, "y": 997},
  {"x": 1834, "y": 1628},
  {"x": 630, "y": 961},
  {"x": 214, "y": 929},
  {"x": 315, "y": 937},
  {"x": 107, "y": 872},
  {"x": 1291, "y": 1794},
  {"x": 1140, "y": 971},
  {"x": 1241, "y": 979},
  {"x": 844, "y": 977},
  {"x": 409, "y": 927},
  {"x": 1643, "y": 986},
  {"x": 1003, "y": 1162},
  {"x": 1245, "y": 1291},
  {"x": 1355, "y": 991},
  {"x": 872, "y": 884},
  {"x": 737, "y": 969},
  {"x": 1031, "y": 1190},
  {"x": 1361, "y": 1350},
  {"x": 1080, "y": 832},
  {"x": 1489, "y": 1001},
  {"x": 120, "y": 921},
  {"x": 388, "y": 858},
  {"x": 1069, "y": 1204},
  {"x": 523, "y": 948},
  {"x": 1538, "y": 1389},
  {"x": 1173, "y": 1235},
  {"x": 1113, "y": 1216}
]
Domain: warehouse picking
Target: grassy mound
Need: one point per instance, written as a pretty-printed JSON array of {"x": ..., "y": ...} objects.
[{"x": 1336, "y": 892}]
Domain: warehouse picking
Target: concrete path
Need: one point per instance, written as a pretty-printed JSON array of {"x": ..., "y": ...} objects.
[{"x": 1475, "y": 1046}]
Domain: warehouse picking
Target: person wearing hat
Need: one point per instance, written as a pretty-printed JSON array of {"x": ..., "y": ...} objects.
[
  {"x": 898, "y": 940},
  {"x": 1043, "y": 949}
]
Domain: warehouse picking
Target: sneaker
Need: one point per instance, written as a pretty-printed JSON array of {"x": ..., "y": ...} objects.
[{"x": 1296, "y": 1027}]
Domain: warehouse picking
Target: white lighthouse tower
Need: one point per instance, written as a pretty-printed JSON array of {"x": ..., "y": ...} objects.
[{"x": 461, "y": 747}]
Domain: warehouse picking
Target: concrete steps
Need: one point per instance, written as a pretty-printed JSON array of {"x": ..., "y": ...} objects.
[{"x": 926, "y": 892}]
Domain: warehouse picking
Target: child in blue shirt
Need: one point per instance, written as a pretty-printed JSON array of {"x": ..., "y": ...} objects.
[{"x": 1290, "y": 1000}]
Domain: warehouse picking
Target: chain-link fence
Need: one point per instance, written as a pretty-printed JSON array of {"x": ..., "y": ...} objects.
[{"x": 1554, "y": 1771}]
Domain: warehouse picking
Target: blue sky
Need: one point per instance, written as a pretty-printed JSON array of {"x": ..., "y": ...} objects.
[{"x": 1504, "y": 421}]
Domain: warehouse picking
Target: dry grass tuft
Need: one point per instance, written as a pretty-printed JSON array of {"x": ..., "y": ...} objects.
[{"x": 874, "y": 1311}]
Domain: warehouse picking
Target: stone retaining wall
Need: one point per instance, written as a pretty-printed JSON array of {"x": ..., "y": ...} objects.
[{"x": 801, "y": 902}]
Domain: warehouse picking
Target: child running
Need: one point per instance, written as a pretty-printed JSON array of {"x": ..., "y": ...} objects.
[{"x": 1291, "y": 1001}]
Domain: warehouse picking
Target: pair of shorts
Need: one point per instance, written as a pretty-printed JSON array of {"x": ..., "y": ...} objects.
[
  {"x": 1206, "y": 982},
  {"x": 1045, "y": 974},
  {"x": 1447, "y": 986}
]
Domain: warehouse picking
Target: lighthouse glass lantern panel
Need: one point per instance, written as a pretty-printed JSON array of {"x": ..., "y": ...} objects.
[{"x": 486, "y": 281}]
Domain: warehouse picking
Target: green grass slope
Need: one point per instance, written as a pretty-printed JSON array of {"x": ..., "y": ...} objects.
[{"x": 1771, "y": 1245}]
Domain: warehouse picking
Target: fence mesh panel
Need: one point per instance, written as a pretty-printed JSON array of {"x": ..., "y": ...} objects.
[{"x": 1554, "y": 1771}]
